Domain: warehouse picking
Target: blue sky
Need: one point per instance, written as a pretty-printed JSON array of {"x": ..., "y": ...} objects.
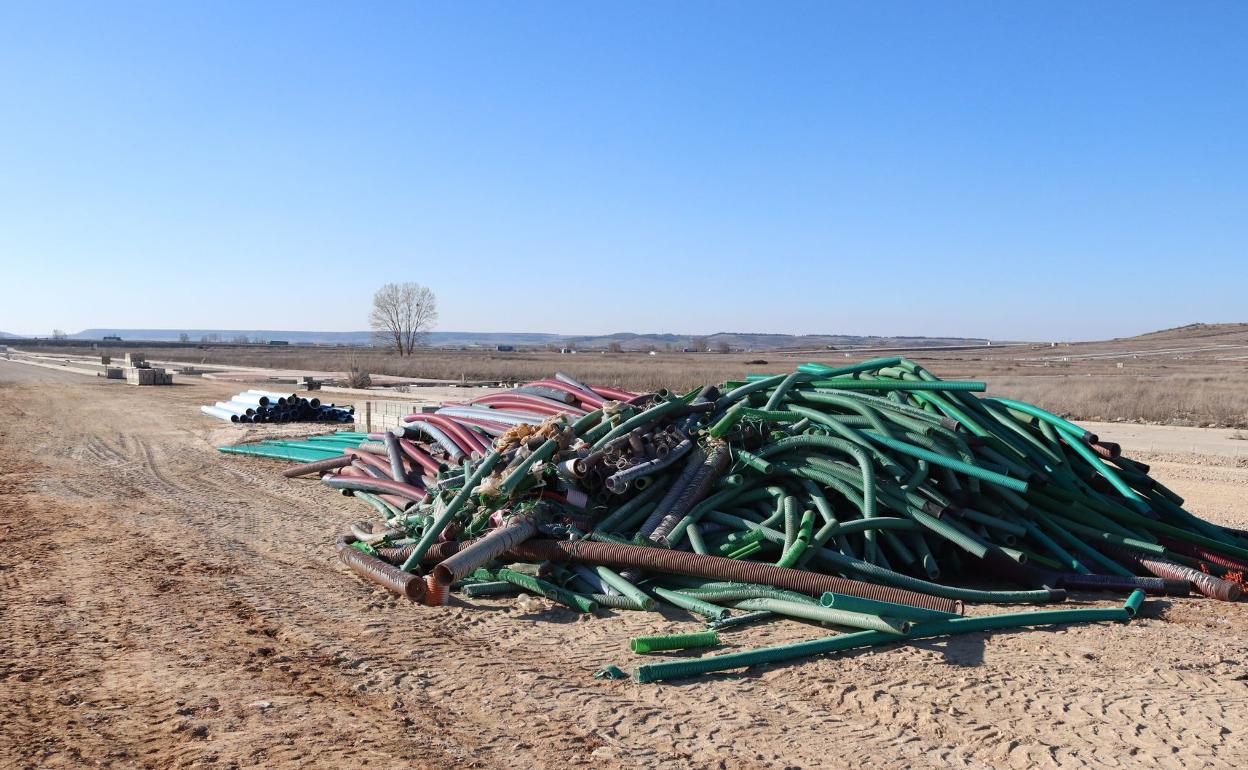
[{"x": 1013, "y": 170}]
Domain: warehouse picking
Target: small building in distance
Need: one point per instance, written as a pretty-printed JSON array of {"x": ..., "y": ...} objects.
[
  {"x": 112, "y": 338},
  {"x": 505, "y": 348},
  {"x": 279, "y": 342}
]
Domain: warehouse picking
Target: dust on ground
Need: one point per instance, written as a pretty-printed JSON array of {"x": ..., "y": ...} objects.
[{"x": 163, "y": 605}]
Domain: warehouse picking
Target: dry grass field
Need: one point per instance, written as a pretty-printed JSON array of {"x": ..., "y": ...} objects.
[{"x": 1188, "y": 376}]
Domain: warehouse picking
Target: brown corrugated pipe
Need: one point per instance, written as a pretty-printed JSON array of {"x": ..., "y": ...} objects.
[
  {"x": 436, "y": 594},
  {"x": 436, "y": 553},
  {"x": 485, "y": 550},
  {"x": 377, "y": 571},
  {"x": 328, "y": 464},
  {"x": 1213, "y": 587},
  {"x": 1195, "y": 551},
  {"x": 720, "y": 568}
]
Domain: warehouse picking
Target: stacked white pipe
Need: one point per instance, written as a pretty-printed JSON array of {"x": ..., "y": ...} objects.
[{"x": 268, "y": 406}]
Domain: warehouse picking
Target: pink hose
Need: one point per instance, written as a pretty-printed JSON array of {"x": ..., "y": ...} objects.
[
  {"x": 462, "y": 438},
  {"x": 419, "y": 456},
  {"x": 512, "y": 399},
  {"x": 613, "y": 393},
  {"x": 454, "y": 427},
  {"x": 522, "y": 404},
  {"x": 489, "y": 426}
]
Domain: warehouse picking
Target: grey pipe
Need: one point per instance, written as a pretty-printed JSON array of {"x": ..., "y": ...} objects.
[
  {"x": 568, "y": 379},
  {"x": 562, "y": 396},
  {"x": 712, "y": 468},
  {"x": 414, "y": 429},
  {"x": 487, "y": 549},
  {"x": 619, "y": 481},
  {"x": 493, "y": 415},
  {"x": 396, "y": 458}
]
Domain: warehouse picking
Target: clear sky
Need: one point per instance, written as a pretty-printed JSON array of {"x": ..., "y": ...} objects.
[{"x": 1016, "y": 170}]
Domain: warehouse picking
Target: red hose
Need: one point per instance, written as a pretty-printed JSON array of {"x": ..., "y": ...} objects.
[
  {"x": 526, "y": 401},
  {"x": 419, "y": 456},
  {"x": 407, "y": 491},
  {"x": 451, "y": 424},
  {"x": 327, "y": 464},
  {"x": 369, "y": 459},
  {"x": 401, "y": 503},
  {"x": 486, "y": 425},
  {"x": 523, "y": 405},
  {"x": 457, "y": 433},
  {"x": 613, "y": 393}
]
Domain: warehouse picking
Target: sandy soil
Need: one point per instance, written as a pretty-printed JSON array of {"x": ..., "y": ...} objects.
[{"x": 163, "y": 605}]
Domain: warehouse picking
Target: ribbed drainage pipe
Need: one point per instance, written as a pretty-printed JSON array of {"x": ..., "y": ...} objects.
[
  {"x": 377, "y": 571},
  {"x": 719, "y": 568}
]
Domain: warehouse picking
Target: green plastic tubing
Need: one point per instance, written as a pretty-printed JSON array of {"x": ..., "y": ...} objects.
[
  {"x": 541, "y": 454},
  {"x": 782, "y": 390},
  {"x": 621, "y": 514},
  {"x": 691, "y": 603},
  {"x": 957, "y": 466},
  {"x": 655, "y": 672},
  {"x": 726, "y": 423},
  {"x": 549, "y": 590},
  {"x": 750, "y": 460},
  {"x": 648, "y": 416},
  {"x": 695, "y": 539},
  {"x": 618, "y": 602},
  {"x": 490, "y": 588},
  {"x": 617, "y": 581},
  {"x": 1063, "y": 425},
  {"x": 741, "y": 620},
  {"x": 853, "y": 450},
  {"x": 818, "y": 612},
  {"x": 853, "y": 384},
  {"x": 822, "y": 370},
  {"x": 804, "y": 531},
  {"x": 889, "y": 577},
  {"x": 436, "y": 526},
  {"x": 720, "y": 592},
  {"x": 849, "y": 603},
  {"x": 646, "y": 644},
  {"x": 738, "y": 393},
  {"x": 586, "y": 422}
]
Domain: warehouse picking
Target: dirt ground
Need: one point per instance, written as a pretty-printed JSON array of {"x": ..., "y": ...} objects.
[{"x": 164, "y": 605}]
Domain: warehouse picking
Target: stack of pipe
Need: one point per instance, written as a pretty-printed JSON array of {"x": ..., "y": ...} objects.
[
  {"x": 252, "y": 406},
  {"x": 874, "y": 497}
]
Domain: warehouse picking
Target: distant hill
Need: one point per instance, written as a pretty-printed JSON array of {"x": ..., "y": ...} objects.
[
  {"x": 227, "y": 335},
  {"x": 1196, "y": 331},
  {"x": 626, "y": 340},
  {"x": 7, "y": 336}
]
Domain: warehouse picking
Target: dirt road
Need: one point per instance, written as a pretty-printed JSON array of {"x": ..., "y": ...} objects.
[{"x": 162, "y": 605}]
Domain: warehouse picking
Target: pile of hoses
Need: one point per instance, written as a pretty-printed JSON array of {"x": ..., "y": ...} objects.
[{"x": 875, "y": 497}]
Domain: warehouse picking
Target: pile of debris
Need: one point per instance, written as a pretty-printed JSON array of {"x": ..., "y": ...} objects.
[
  {"x": 253, "y": 406},
  {"x": 874, "y": 497}
]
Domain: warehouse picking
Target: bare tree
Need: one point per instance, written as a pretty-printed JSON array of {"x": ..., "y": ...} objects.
[
  {"x": 184, "y": 337},
  {"x": 403, "y": 313},
  {"x": 239, "y": 339},
  {"x": 615, "y": 347},
  {"x": 723, "y": 347},
  {"x": 699, "y": 344}
]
